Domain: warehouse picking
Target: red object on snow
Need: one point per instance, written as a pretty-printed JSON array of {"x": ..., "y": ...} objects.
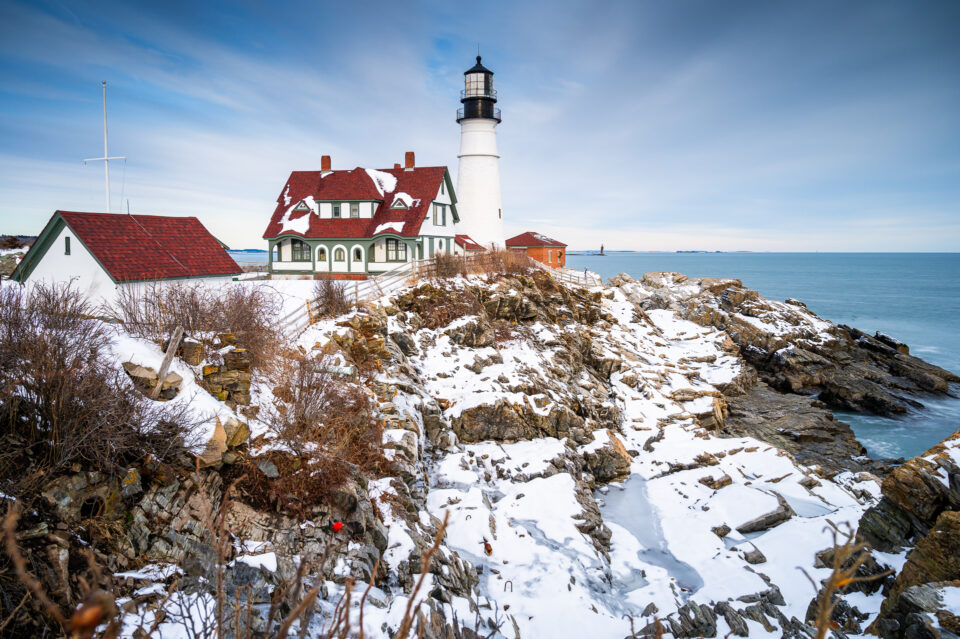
[{"x": 337, "y": 526}]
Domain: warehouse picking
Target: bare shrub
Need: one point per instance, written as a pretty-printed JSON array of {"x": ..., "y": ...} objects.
[
  {"x": 10, "y": 242},
  {"x": 153, "y": 310},
  {"x": 330, "y": 297},
  {"x": 327, "y": 425},
  {"x": 438, "y": 305},
  {"x": 447, "y": 265},
  {"x": 506, "y": 262},
  {"x": 61, "y": 399}
]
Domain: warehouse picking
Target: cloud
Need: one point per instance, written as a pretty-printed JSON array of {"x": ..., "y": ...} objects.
[{"x": 676, "y": 126}]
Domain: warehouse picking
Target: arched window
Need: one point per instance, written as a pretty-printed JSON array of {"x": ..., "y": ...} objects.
[
  {"x": 357, "y": 254},
  {"x": 339, "y": 255},
  {"x": 322, "y": 254},
  {"x": 300, "y": 251}
]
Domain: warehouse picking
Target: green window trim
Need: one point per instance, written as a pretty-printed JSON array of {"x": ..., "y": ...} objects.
[
  {"x": 354, "y": 209},
  {"x": 336, "y": 211},
  {"x": 339, "y": 255},
  {"x": 396, "y": 250},
  {"x": 66, "y": 246},
  {"x": 300, "y": 251}
]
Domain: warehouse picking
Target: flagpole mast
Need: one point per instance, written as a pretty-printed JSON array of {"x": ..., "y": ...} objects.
[{"x": 106, "y": 155}]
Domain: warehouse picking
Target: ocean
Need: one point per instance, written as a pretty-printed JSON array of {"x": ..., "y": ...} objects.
[{"x": 914, "y": 297}]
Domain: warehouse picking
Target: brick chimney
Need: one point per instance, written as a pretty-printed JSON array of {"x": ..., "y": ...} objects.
[
  {"x": 396, "y": 166},
  {"x": 325, "y": 163},
  {"x": 408, "y": 161}
]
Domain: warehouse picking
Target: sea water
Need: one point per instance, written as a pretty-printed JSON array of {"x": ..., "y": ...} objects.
[{"x": 914, "y": 297}]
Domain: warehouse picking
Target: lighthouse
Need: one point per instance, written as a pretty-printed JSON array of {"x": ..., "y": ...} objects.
[{"x": 478, "y": 176}]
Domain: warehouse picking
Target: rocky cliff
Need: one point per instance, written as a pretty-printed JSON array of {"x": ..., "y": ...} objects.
[{"x": 609, "y": 460}]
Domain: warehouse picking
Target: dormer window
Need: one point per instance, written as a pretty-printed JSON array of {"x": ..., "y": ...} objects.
[
  {"x": 336, "y": 210},
  {"x": 302, "y": 206},
  {"x": 354, "y": 209},
  {"x": 439, "y": 215}
]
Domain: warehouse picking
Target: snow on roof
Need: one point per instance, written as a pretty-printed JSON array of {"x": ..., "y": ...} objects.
[
  {"x": 397, "y": 227},
  {"x": 416, "y": 188},
  {"x": 467, "y": 243},
  {"x": 403, "y": 197},
  {"x": 301, "y": 223},
  {"x": 384, "y": 182},
  {"x": 531, "y": 238}
]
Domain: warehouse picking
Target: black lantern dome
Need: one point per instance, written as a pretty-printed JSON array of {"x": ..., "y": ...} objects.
[{"x": 478, "y": 96}]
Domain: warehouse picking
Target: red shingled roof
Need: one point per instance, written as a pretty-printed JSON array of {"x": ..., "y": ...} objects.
[
  {"x": 531, "y": 238},
  {"x": 143, "y": 247},
  {"x": 422, "y": 184},
  {"x": 467, "y": 243}
]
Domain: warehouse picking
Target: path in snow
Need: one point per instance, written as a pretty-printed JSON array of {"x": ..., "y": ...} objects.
[{"x": 628, "y": 505}]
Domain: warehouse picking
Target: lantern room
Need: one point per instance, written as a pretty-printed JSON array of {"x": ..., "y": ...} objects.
[{"x": 478, "y": 96}]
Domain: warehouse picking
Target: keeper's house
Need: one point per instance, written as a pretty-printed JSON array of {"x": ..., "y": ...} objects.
[
  {"x": 350, "y": 224},
  {"x": 100, "y": 252}
]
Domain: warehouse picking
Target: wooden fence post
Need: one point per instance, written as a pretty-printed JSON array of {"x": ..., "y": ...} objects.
[{"x": 165, "y": 366}]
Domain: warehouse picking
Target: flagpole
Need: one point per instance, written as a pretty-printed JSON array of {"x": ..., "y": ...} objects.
[
  {"x": 106, "y": 163},
  {"x": 106, "y": 155}
]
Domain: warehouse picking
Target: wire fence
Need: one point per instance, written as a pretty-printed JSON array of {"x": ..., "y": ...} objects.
[{"x": 389, "y": 282}]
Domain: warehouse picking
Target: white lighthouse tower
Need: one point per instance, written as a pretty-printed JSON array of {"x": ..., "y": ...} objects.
[{"x": 478, "y": 178}]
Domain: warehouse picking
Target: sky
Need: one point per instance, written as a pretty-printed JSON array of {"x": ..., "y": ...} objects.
[{"x": 646, "y": 125}]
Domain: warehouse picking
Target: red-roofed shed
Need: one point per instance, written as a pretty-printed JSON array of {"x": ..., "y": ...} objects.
[{"x": 540, "y": 247}]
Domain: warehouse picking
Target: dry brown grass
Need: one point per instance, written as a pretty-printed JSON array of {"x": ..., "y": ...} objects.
[
  {"x": 328, "y": 431},
  {"x": 61, "y": 399},
  {"x": 491, "y": 263},
  {"x": 447, "y": 265},
  {"x": 153, "y": 310}
]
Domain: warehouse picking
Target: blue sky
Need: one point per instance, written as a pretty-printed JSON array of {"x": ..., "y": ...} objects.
[{"x": 831, "y": 126}]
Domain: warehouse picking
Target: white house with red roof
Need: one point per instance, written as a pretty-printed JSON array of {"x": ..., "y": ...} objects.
[
  {"x": 350, "y": 224},
  {"x": 100, "y": 252}
]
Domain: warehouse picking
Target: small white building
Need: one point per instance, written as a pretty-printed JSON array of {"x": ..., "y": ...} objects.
[{"x": 100, "y": 252}]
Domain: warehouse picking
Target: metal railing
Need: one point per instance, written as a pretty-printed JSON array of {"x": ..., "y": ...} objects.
[
  {"x": 389, "y": 282},
  {"x": 495, "y": 116},
  {"x": 481, "y": 93}
]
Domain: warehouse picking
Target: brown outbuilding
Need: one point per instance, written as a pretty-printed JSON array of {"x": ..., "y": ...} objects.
[{"x": 540, "y": 248}]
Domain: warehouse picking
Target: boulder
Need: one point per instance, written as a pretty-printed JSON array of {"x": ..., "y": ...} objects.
[
  {"x": 237, "y": 432},
  {"x": 914, "y": 495},
  {"x": 610, "y": 462},
  {"x": 780, "y": 514},
  {"x": 934, "y": 560},
  {"x": 215, "y": 448}
]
